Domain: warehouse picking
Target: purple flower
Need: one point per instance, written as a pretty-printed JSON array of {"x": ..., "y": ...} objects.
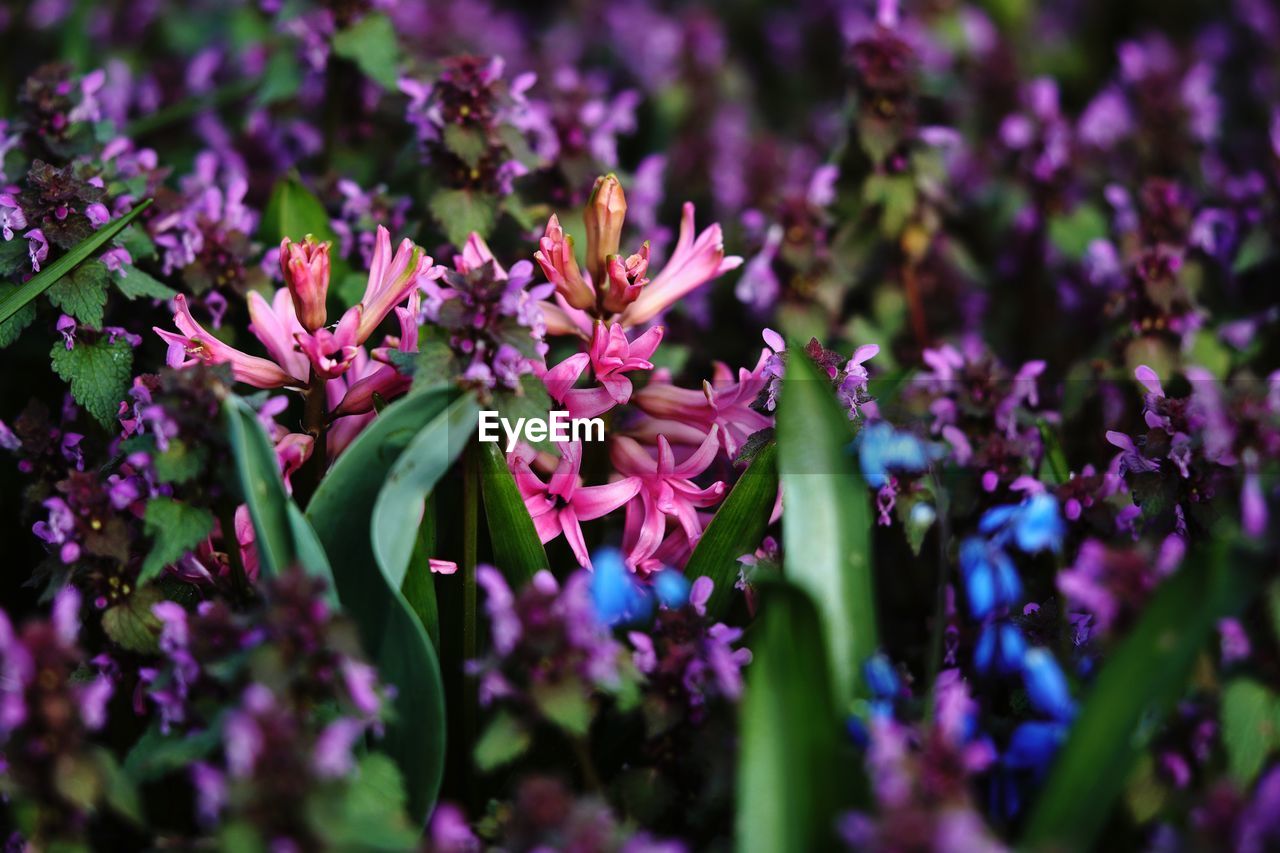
[{"x": 332, "y": 758}]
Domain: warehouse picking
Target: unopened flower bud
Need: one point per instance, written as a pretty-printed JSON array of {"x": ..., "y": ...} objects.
[
  {"x": 604, "y": 215},
  {"x": 624, "y": 278},
  {"x": 306, "y": 273},
  {"x": 555, "y": 256}
]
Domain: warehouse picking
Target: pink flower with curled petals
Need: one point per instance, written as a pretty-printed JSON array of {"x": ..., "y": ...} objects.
[
  {"x": 692, "y": 264},
  {"x": 331, "y": 352},
  {"x": 667, "y": 491},
  {"x": 386, "y": 381},
  {"x": 276, "y": 325},
  {"x": 562, "y": 503},
  {"x": 682, "y": 413},
  {"x": 195, "y": 345},
  {"x": 391, "y": 279},
  {"x": 559, "y": 264},
  {"x": 611, "y": 355}
]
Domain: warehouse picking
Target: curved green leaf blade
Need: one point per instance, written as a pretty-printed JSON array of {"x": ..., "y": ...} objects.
[
  {"x": 517, "y": 550},
  {"x": 826, "y": 520},
  {"x": 281, "y": 533},
  {"x": 340, "y": 512},
  {"x": 788, "y": 775},
  {"x": 397, "y": 514},
  {"x": 14, "y": 301},
  {"x": 1137, "y": 686},
  {"x": 736, "y": 529},
  {"x": 294, "y": 212}
]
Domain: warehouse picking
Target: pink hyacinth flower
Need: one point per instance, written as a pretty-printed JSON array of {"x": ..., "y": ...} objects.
[
  {"x": 195, "y": 345},
  {"x": 683, "y": 412},
  {"x": 611, "y": 355},
  {"x": 561, "y": 504},
  {"x": 391, "y": 280}
]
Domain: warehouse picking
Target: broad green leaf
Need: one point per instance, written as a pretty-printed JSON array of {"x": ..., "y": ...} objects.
[
  {"x": 371, "y": 44},
  {"x": 789, "y": 781},
  {"x": 176, "y": 528},
  {"x": 294, "y": 212},
  {"x": 469, "y": 144},
  {"x": 98, "y": 372},
  {"x": 131, "y": 624},
  {"x": 14, "y": 301},
  {"x": 82, "y": 293},
  {"x": 1248, "y": 728},
  {"x": 1059, "y": 471},
  {"x": 135, "y": 283},
  {"x": 340, "y": 511},
  {"x": 281, "y": 533},
  {"x": 503, "y": 741},
  {"x": 13, "y": 327},
  {"x": 826, "y": 519},
  {"x": 398, "y": 512},
  {"x": 1072, "y": 233},
  {"x": 1143, "y": 678},
  {"x": 419, "y": 587},
  {"x": 459, "y": 212},
  {"x": 736, "y": 529},
  {"x": 157, "y": 754},
  {"x": 517, "y": 550}
]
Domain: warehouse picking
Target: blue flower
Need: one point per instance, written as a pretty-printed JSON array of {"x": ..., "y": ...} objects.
[
  {"x": 1033, "y": 745},
  {"x": 672, "y": 588},
  {"x": 1034, "y": 525},
  {"x": 1000, "y": 648},
  {"x": 1046, "y": 685},
  {"x": 615, "y": 593},
  {"x": 991, "y": 581},
  {"x": 881, "y": 448}
]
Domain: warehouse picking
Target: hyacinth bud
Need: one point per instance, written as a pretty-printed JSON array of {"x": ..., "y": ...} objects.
[
  {"x": 555, "y": 256},
  {"x": 624, "y": 279},
  {"x": 604, "y": 216},
  {"x": 306, "y": 273}
]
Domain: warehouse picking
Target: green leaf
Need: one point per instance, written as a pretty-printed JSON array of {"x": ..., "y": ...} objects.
[
  {"x": 178, "y": 463},
  {"x": 12, "y": 302},
  {"x": 294, "y": 212},
  {"x": 788, "y": 777},
  {"x": 564, "y": 703},
  {"x": 13, "y": 327},
  {"x": 131, "y": 624},
  {"x": 157, "y": 754},
  {"x": 1072, "y": 233},
  {"x": 1059, "y": 471},
  {"x": 137, "y": 242},
  {"x": 1144, "y": 677},
  {"x": 826, "y": 519},
  {"x": 398, "y": 512},
  {"x": 419, "y": 587},
  {"x": 504, "y": 740},
  {"x": 119, "y": 790},
  {"x": 736, "y": 529},
  {"x": 371, "y": 44},
  {"x": 99, "y": 373},
  {"x": 137, "y": 283},
  {"x": 281, "y": 533},
  {"x": 82, "y": 293},
  {"x": 367, "y": 813},
  {"x": 517, "y": 550},
  {"x": 459, "y": 212},
  {"x": 468, "y": 143},
  {"x": 1248, "y": 728},
  {"x": 176, "y": 527},
  {"x": 340, "y": 511}
]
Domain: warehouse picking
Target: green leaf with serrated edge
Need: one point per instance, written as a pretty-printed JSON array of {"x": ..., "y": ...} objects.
[
  {"x": 13, "y": 327},
  {"x": 294, "y": 212},
  {"x": 789, "y": 780},
  {"x": 1142, "y": 679},
  {"x": 736, "y": 529},
  {"x": 564, "y": 703},
  {"x": 82, "y": 293},
  {"x": 340, "y": 512},
  {"x": 176, "y": 528},
  {"x": 1248, "y": 728},
  {"x": 366, "y": 813},
  {"x": 517, "y": 550},
  {"x": 401, "y": 501},
  {"x": 281, "y": 533},
  {"x": 131, "y": 624},
  {"x": 12, "y": 302},
  {"x": 371, "y": 44},
  {"x": 98, "y": 372},
  {"x": 459, "y": 212},
  {"x": 157, "y": 754},
  {"x": 826, "y": 519},
  {"x": 135, "y": 284},
  {"x": 504, "y": 740},
  {"x": 467, "y": 143}
]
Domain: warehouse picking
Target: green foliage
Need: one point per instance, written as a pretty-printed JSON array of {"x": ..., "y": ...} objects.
[
  {"x": 294, "y": 212},
  {"x": 82, "y": 293},
  {"x": 1071, "y": 233},
  {"x": 368, "y": 813},
  {"x": 157, "y": 754},
  {"x": 737, "y": 529},
  {"x": 459, "y": 212},
  {"x": 135, "y": 284},
  {"x": 1142, "y": 679},
  {"x": 176, "y": 528},
  {"x": 504, "y": 740},
  {"x": 341, "y": 513},
  {"x": 789, "y": 781},
  {"x": 826, "y": 523},
  {"x": 131, "y": 624},
  {"x": 13, "y": 327},
  {"x": 99, "y": 373},
  {"x": 1249, "y": 712},
  {"x": 371, "y": 44},
  {"x": 12, "y": 302},
  {"x": 517, "y": 550}
]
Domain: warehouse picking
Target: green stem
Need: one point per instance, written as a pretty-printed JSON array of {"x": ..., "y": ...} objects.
[{"x": 314, "y": 424}]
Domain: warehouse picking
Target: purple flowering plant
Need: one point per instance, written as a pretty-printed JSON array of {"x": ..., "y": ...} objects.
[{"x": 926, "y": 358}]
